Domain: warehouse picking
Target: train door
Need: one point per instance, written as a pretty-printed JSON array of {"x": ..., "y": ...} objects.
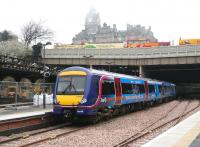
[
  {"x": 118, "y": 92},
  {"x": 146, "y": 91},
  {"x": 107, "y": 90}
]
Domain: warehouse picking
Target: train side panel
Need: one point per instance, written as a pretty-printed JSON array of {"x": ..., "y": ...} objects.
[
  {"x": 132, "y": 91},
  {"x": 80, "y": 92}
]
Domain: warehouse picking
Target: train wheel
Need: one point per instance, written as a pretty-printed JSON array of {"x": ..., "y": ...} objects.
[
  {"x": 123, "y": 110},
  {"x": 94, "y": 119},
  {"x": 132, "y": 108},
  {"x": 128, "y": 108},
  {"x": 116, "y": 112}
]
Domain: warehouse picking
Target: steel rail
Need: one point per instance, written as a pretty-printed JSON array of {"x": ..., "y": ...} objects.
[
  {"x": 26, "y": 135},
  {"x": 52, "y": 137},
  {"x": 142, "y": 134}
]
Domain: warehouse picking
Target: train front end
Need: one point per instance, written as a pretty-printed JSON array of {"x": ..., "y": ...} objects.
[{"x": 69, "y": 95}]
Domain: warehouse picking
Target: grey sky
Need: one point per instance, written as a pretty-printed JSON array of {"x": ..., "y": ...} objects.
[{"x": 169, "y": 19}]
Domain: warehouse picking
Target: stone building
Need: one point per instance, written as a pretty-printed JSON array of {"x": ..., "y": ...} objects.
[{"x": 95, "y": 33}]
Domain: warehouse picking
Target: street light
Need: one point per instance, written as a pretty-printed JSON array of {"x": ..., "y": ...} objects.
[
  {"x": 45, "y": 69},
  {"x": 123, "y": 69},
  {"x": 44, "y": 47},
  {"x": 109, "y": 63},
  {"x": 88, "y": 57}
]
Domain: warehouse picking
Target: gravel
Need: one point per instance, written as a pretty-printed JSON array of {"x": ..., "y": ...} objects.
[{"x": 109, "y": 133}]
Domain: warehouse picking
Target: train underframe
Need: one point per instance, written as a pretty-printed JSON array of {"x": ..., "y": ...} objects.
[{"x": 104, "y": 113}]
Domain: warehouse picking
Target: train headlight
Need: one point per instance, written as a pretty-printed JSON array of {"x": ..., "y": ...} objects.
[
  {"x": 84, "y": 100},
  {"x": 55, "y": 100}
]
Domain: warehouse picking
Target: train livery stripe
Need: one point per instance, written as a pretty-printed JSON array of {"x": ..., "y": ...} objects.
[
  {"x": 67, "y": 73},
  {"x": 69, "y": 99}
]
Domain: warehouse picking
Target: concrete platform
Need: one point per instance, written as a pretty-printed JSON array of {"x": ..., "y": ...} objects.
[
  {"x": 184, "y": 134},
  {"x": 12, "y": 113}
]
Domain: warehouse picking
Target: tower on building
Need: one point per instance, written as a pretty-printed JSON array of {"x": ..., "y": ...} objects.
[{"x": 92, "y": 22}]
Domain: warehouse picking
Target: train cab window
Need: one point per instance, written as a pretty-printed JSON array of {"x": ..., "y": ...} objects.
[
  {"x": 151, "y": 89},
  {"x": 108, "y": 87},
  {"x": 69, "y": 85}
]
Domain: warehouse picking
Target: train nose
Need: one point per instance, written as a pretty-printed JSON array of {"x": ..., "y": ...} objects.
[{"x": 69, "y": 99}]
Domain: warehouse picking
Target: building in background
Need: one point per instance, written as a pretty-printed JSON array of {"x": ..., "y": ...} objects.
[{"x": 95, "y": 33}]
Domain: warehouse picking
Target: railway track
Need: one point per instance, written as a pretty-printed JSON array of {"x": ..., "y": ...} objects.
[
  {"x": 52, "y": 137},
  {"x": 137, "y": 136},
  {"x": 147, "y": 130},
  {"x": 33, "y": 133}
]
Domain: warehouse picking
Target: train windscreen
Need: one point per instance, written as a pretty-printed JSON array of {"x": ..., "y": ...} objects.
[{"x": 71, "y": 85}]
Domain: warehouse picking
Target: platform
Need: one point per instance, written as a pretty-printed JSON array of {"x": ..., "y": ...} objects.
[
  {"x": 184, "y": 134},
  {"x": 23, "y": 112}
]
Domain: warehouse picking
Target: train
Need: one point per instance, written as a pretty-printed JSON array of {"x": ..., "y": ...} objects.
[
  {"x": 189, "y": 41},
  {"x": 139, "y": 43},
  {"x": 89, "y": 94}
]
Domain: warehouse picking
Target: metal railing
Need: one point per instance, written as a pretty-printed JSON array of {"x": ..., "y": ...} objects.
[
  {"x": 126, "y": 53},
  {"x": 25, "y": 65},
  {"x": 20, "y": 93}
]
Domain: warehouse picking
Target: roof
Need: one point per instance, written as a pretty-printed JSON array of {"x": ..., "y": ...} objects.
[{"x": 102, "y": 72}]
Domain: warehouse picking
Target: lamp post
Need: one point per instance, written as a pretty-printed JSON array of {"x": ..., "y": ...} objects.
[
  {"x": 44, "y": 75},
  {"x": 44, "y": 47},
  {"x": 88, "y": 57},
  {"x": 123, "y": 69},
  {"x": 109, "y": 63}
]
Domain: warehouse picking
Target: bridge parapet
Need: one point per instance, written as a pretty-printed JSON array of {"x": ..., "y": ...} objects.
[{"x": 126, "y": 53}]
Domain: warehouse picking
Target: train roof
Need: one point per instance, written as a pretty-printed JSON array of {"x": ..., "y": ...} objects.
[{"x": 102, "y": 72}]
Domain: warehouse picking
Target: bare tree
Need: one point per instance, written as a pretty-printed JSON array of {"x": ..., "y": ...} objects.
[{"x": 32, "y": 31}]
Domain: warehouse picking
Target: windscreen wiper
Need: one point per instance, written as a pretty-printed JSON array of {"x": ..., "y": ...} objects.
[{"x": 69, "y": 88}]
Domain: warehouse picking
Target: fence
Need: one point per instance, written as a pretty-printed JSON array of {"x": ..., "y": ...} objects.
[{"x": 25, "y": 93}]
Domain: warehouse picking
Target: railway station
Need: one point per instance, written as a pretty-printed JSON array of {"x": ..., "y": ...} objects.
[{"x": 109, "y": 86}]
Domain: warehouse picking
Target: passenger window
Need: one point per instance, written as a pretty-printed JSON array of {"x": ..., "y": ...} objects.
[
  {"x": 127, "y": 88},
  {"x": 136, "y": 89},
  {"x": 160, "y": 88},
  {"x": 151, "y": 89},
  {"x": 108, "y": 87},
  {"x": 141, "y": 88}
]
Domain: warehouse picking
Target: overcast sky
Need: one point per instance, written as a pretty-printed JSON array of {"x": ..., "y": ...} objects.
[{"x": 169, "y": 19}]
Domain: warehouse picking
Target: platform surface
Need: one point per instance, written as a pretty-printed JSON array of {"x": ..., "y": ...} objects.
[
  {"x": 184, "y": 134},
  {"x": 23, "y": 111}
]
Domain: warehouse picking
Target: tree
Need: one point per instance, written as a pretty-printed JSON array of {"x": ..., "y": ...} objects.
[
  {"x": 7, "y": 35},
  {"x": 37, "y": 50},
  {"x": 32, "y": 31}
]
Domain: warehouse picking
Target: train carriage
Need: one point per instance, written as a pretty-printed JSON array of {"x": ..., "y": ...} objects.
[{"x": 81, "y": 92}]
